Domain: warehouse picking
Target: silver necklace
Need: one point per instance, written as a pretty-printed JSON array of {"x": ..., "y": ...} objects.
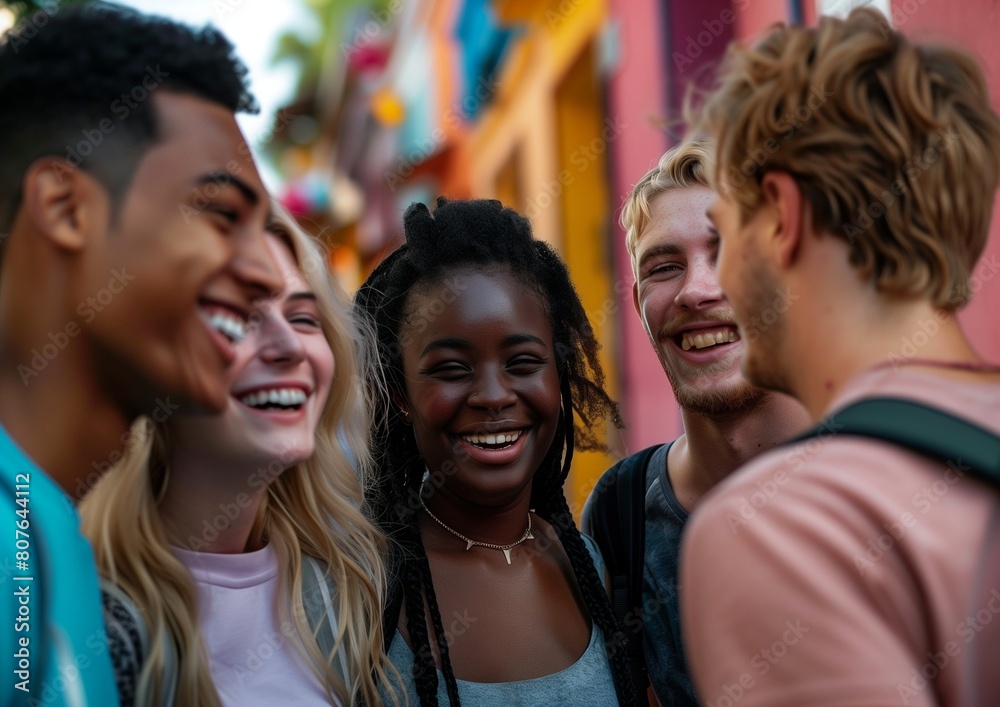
[{"x": 469, "y": 542}]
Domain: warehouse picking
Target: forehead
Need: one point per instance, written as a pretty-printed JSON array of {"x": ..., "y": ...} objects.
[
  {"x": 287, "y": 265},
  {"x": 472, "y": 301},
  {"x": 678, "y": 217},
  {"x": 197, "y": 136}
]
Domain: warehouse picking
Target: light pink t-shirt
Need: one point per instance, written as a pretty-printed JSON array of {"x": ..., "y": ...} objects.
[
  {"x": 849, "y": 571},
  {"x": 254, "y": 661}
]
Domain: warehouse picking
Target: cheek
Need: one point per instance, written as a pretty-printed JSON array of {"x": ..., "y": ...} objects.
[{"x": 655, "y": 306}]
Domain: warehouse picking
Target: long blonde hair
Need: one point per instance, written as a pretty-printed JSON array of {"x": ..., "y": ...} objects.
[{"x": 312, "y": 508}]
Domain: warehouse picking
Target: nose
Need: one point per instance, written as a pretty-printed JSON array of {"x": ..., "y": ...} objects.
[
  {"x": 701, "y": 288},
  {"x": 493, "y": 391},
  {"x": 254, "y": 266},
  {"x": 278, "y": 340}
]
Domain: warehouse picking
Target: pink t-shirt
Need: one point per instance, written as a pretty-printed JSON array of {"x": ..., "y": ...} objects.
[
  {"x": 252, "y": 654},
  {"x": 847, "y": 571}
]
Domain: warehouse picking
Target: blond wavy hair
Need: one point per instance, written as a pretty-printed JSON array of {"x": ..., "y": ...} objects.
[
  {"x": 894, "y": 145},
  {"x": 313, "y": 508},
  {"x": 683, "y": 166}
]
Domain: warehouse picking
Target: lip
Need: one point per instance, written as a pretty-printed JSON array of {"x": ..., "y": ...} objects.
[
  {"x": 703, "y": 357},
  {"x": 696, "y": 326},
  {"x": 271, "y": 385},
  {"x": 492, "y": 426},
  {"x": 223, "y": 345},
  {"x": 283, "y": 417},
  {"x": 494, "y": 457}
]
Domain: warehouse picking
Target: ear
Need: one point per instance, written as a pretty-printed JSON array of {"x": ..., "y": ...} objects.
[
  {"x": 400, "y": 401},
  {"x": 635, "y": 298},
  {"x": 781, "y": 195},
  {"x": 64, "y": 203}
]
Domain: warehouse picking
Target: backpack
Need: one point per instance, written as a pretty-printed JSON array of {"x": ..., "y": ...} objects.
[
  {"x": 616, "y": 518},
  {"x": 920, "y": 428}
]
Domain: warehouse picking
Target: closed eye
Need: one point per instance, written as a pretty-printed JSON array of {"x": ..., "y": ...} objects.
[
  {"x": 664, "y": 269},
  {"x": 306, "y": 320},
  {"x": 526, "y": 364},
  {"x": 446, "y": 371}
]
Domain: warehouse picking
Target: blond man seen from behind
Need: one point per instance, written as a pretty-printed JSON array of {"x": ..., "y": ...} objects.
[{"x": 857, "y": 171}]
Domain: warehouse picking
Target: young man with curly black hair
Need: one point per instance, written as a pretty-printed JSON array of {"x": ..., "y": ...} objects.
[{"x": 134, "y": 243}]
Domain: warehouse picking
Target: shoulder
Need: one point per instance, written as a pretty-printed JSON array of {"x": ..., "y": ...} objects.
[
  {"x": 606, "y": 488},
  {"x": 127, "y": 639}
]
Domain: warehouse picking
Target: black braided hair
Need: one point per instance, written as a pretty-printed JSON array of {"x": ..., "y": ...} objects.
[{"x": 480, "y": 233}]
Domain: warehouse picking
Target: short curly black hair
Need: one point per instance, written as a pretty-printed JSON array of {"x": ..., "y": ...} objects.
[
  {"x": 486, "y": 236},
  {"x": 75, "y": 83}
]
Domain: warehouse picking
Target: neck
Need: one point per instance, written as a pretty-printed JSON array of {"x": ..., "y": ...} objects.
[
  {"x": 500, "y": 525},
  {"x": 713, "y": 447},
  {"x": 209, "y": 508},
  {"x": 59, "y": 415},
  {"x": 871, "y": 332}
]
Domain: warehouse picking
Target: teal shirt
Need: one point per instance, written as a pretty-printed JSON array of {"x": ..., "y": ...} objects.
[{"x": 53, "y": 649}]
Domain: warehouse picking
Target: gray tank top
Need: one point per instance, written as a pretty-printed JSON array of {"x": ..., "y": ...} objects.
[{"x": 587, "y": 681}]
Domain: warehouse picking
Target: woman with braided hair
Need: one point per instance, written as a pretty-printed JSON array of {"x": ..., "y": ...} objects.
[{"x": 485, "y": 355}]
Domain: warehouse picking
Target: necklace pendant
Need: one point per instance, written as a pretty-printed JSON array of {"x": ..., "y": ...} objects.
[
  {"x": 529, "y": 536},
  {"x": 506, "y": 553},
  {"x": 468, "y": 545}
]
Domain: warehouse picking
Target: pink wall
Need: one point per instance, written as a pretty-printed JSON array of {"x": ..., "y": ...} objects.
[
  {"x": 648, "y": 85},
  {"x": 754, "y": 16},
  {"x": 974, "y": 26},
  {"x": 635, "y": 99}
]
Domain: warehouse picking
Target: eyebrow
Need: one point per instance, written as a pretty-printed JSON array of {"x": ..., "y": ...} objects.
[
  {"x": 658, "y": 251},
  {"x": 456, "y": 343},
  {"x": 453, "y": 343},
  {"x": 296, "y": 296},
  {"x": 224, "y": 179}
]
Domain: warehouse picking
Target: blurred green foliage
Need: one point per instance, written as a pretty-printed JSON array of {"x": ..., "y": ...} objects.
[{"x": 22, "y": 8}]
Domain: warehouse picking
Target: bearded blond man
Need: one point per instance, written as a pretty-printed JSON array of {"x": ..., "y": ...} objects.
[
  {"x": 856, "y": 173},
  {"x": 674, "y": 251}
]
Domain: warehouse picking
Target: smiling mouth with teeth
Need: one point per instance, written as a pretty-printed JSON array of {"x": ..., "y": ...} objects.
[
  {"x": 500, "y": 440},
  {"x": 275, "y": 399},
  {"x": 227, "y": 324},
  {"x": 704, "y": 339}
]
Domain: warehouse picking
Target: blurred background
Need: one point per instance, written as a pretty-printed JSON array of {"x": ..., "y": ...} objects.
[{"x": 555, "y": 107}]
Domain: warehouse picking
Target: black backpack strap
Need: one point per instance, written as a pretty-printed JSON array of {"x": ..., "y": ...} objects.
[
  {"x": 921, "y": 428},
  {"x": 616, "y": 519}
]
